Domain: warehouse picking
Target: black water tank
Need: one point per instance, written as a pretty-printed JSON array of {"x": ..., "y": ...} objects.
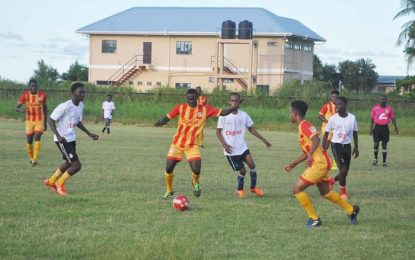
[
  {"x": 228, "y": 30},
  {"x": 245, "y": 30}
]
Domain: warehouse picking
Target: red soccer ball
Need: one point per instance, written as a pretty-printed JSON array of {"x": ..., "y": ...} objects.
[{"x": 181, "y": 203}]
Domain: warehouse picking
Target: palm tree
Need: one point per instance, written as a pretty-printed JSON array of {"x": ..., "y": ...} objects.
[{"x": 407, "y": 35}]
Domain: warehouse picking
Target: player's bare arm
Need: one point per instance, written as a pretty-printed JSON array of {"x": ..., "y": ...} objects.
[
  {"x": 52, "y": 125},
  {"x": 324, "y": 143},
  {"x": 81, "y": 126},
  {"x": 162, "y": 121},
  {"x": 253, "y": 131},
  {"x": 19, "y": 108},
  {"x": 356, "y": 144},
  {"x": 322, "y": 118},
  {"x": 371, "y": 126},
  {"x": 299, "y": 159},
  {"x": 315, "y": 141},
  {"x": 226, "y": 146},
  {"x": 395, "y": 125},
  {"x": 227, "y": 111}
]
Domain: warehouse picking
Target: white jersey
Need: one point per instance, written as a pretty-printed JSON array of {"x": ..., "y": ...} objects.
[
  {"x": 68, "y": 115},
  {"x": 108, "y": 107},
  {"x": 233, "y": 131},
  {"x": 343, "y": 128}
]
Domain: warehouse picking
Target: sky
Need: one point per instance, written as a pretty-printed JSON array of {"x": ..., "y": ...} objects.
[{"x": 46, "y": 29}]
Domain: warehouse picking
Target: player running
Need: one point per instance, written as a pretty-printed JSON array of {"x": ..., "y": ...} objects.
[
  {"x": 69, "y": 116},
  {"x": 318, "y": 166},
  {"x": 192, "y": 118},
  {"x": 36, "y": 112},
  {"x": 231, "y": 133},
  {"x": 344, "y": 127},
  {"x": 380, "y": 116}
]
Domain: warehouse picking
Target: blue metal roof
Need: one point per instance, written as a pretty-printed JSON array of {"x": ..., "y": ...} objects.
[
  {"x": 388, "y": 79},
  {"x": 197, "y": 21}
]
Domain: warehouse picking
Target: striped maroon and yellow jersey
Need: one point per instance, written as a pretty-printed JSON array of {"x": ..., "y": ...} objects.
[
  {"x": 306, "y": 131},
  {"x": 191, "y": 123},
  {"x": 34, "y": 105},
  {"x": 327, "y": 110},
  {"x": 202, "y": 100}
]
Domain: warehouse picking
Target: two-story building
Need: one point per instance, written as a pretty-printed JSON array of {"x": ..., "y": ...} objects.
[{"x": 148, "y": 47}]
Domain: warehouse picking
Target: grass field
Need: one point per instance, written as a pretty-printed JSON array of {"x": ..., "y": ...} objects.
[{"x": 115, "y": 210}]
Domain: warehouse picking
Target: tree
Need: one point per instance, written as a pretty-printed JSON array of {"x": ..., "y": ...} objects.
[
  {"x": 45, "y": 74},
  {"x": 349, "y": 73},
  {"x": 407, "y": 35},
  {"x": 367, "y": 75},
  {"x": 76, "y": 72},
  {"x": 317, "y": 68}
]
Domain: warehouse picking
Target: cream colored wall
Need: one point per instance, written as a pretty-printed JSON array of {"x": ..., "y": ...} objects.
[{"x": 170, "y": 68}]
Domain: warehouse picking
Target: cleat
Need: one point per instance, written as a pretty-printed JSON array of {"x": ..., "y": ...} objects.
[
  {"x": 375, "y": 162},
  {"x": 167, "y": 195},
  {"x": 241, "y": 193},
  {"x": 353, "y": 216},
  {"x": 61, "y": 189},
  {"x": 312, "y": 223},
  {"x": 384, "y": 164},
  {"x": 258, "y": 191},
  {"x": 33, "y": 163},
  {"x": 49, "y": 185},
  {"x": 196, "y": 189},
  {"x": 344, "y": 196}
]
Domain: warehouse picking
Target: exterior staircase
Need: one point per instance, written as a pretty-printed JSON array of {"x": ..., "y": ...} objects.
[
  {"x": 129, "y": 69},
  {"x": 228, "y": 67}
]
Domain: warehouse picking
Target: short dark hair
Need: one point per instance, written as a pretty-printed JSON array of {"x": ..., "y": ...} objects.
[
  {"x": 32, "y": 81},
  {"x": 300, "y": 107},
  {"x": 75, "y": 86},
  {"x": 109, "y": 95},
  {"x": 335, "y": 91},
  {"x": 342, "y": 99},
  {"x": 192, "y": 91},
  {"x": 234, "y": 94}
]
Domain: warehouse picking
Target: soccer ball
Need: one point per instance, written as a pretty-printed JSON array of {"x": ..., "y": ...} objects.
[{"x": 181, "y": 203}]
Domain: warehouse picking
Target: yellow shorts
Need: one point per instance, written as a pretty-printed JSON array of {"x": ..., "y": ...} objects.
[
  {"x": 176, "y": 153},
  {"x": 36, "y": 127},
  {"x": 316, "y": 173}
]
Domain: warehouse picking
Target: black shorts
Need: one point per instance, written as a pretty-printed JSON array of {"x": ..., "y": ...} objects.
[
  {"x": 381, "y": 133},
  {"x": 68, "y": 151},
  {"x": 236, "y": 161},
  {"x": 107, "y": 121},
  {"x": 342, "y": 154}
]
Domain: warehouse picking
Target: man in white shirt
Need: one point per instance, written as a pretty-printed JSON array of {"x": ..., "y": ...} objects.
[
  {"x": 69, "y": 116},
  {"x": 344, "y": 127},
  {"x": 108, "y": 108},
  {"x": 231, "y": 133}
]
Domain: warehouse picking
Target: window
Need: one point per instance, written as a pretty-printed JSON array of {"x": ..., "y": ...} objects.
[
  {"x": 149, "y": 83},
  {"x": 272, "y": 44},
  {"x": 262, "y": 89},
  {"x": 140, "y": 83},
  {"x": 212, "y": 80},
  {"x": 158, "y": 83},
  {"x": 297, "y": 46},
  {"x": 228, "y": 80},
  {"x": 288, "y": 45},
  {"x": 105, "y": 82},
  {"x": 109, "y": 46},
  {"x": 183, "y": 85},
  {"x": 130, "y": 83},
  {"x": 183, "y": 47},
  {"x": 307, "y": 48}
]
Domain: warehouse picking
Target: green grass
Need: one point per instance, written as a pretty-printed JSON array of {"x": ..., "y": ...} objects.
[{"x": 115, "y": 210}]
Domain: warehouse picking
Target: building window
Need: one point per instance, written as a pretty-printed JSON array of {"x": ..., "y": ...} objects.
[
  {"x": 183, "y": 85},
  {"x": 158, "y": 83},
  {"x": 297, "y": 46},
  {"x": 262, "y": 89},
  {"x": 288, "y": 45},
  {"x": 109, "y": 46},
  {"x": 149, "y": 83},
  {"x": 183, "y": 47},
  {"x": 307, "y": 48},
  {"x": 105, "y": 82},
  {"x": 272, "y": 44},
  {"x": 140, "y": 83},
  {"x": 130, "y": 82},
  {"x": 228, "y": 80},
  {"x": 212, "y": 79}
]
